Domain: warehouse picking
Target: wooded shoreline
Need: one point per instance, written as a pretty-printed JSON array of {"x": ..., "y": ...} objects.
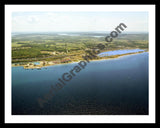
[{"x": 42, "y": 64}]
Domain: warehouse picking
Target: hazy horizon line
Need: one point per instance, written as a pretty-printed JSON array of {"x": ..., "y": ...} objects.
[{"x": 76, "y": 31}]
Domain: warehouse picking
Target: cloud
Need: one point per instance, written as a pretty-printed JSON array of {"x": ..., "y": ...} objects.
[
  {"x": 32, "y": 19},
  {"x": 77, "y": 21}
]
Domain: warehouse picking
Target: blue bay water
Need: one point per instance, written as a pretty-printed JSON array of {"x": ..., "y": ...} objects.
[
  {"x": 107, "y": 87},
  {"x": 119, "y": 52}
]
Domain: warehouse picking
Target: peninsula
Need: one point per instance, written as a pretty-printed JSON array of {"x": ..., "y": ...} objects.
[{"x": 52, "y": 49}]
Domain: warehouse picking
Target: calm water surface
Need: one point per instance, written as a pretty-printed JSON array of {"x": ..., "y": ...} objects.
[
  {"x": 112, "y": 87},
  {"x": 119, "y": 52}
]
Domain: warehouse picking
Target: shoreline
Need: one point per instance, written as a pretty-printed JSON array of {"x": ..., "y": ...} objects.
[{"x": 38, "y": 67}]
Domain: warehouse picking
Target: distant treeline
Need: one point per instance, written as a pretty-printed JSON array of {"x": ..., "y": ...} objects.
[{"x": 32, "y": 45}]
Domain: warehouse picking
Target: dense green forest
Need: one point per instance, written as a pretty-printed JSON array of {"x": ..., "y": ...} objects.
[{"x": 53, "y": 46}]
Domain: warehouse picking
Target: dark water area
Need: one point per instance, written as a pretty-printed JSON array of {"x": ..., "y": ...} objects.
[{"x": 107, "y": 87}]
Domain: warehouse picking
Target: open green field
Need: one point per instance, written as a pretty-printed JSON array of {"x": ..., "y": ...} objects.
[{"x": 70, "y": 46}]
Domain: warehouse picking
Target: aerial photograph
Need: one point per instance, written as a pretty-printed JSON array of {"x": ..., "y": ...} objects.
[{"x": 79, "y": 63}]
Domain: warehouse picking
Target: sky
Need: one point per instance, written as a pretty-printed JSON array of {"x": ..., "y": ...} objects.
[{"x": 78, "y": 21}]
